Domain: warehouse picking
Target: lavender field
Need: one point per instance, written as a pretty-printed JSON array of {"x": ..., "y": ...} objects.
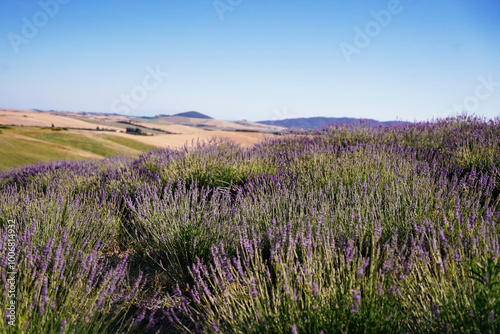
[{"x": 350, "y": 229}]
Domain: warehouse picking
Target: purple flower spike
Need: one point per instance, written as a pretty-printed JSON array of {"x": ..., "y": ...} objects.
[
  {"x": 44, "y": 286},
  {"x": 254, "y": 291},
  {"x": 63, "y": 326},
  {"x": 315, "y": 290},
  {"x": 357, "y": 299},
  {"x": 435, "y": 311}
]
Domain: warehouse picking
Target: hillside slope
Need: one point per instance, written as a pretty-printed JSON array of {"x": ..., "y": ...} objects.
[
  {"x": 28, "y": 145},
  {"x": 30, "y": 136}
]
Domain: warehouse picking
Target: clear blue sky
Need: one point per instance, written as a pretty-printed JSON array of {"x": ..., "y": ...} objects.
[{"x": 255, "y": 60}]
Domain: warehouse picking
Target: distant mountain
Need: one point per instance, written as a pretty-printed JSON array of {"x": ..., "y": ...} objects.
[
  {"x": 318, "y": 122},
  {"x": 193, "y": 114}
]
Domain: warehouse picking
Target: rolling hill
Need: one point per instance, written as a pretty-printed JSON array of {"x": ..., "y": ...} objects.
[
  {"x": 30, "y": 136},
  {"x": 193, "y": 114},
  {"x": 22, "y": 145}
]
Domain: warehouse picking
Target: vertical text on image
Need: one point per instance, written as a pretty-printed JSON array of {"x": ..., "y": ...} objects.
[{"x": 11, "y": 272}]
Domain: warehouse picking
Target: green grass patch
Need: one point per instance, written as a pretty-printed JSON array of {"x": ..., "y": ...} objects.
[
  {"x": 76, "y": 141},
  {"x": 19, "y": 151},
  {"x": 130, "y": 143}
]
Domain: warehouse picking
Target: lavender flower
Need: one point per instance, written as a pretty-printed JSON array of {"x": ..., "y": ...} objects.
[
  {"x": 63, "y": 326},
  {"x": 253, "y": 291},
  {"x": 357, "y": 299},
  {"x": 314, "y": 289},
  {"x": 435, "y": 311},
  {"x": 44, "y": 286}
]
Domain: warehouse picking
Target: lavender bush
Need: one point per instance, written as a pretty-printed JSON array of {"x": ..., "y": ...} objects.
[
  {"x": 346, "y": 229},
  {"x": 62, "y": 288}
]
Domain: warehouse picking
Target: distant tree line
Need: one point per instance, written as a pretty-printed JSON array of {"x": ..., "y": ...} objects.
[{"x": 135, "y": 131}]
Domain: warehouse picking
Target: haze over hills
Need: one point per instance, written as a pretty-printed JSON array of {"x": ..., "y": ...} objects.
[
  {"x": 30, "y": 136},
  {"x": 185, "y": 122},
  {"x": 180, "y": 123}
]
